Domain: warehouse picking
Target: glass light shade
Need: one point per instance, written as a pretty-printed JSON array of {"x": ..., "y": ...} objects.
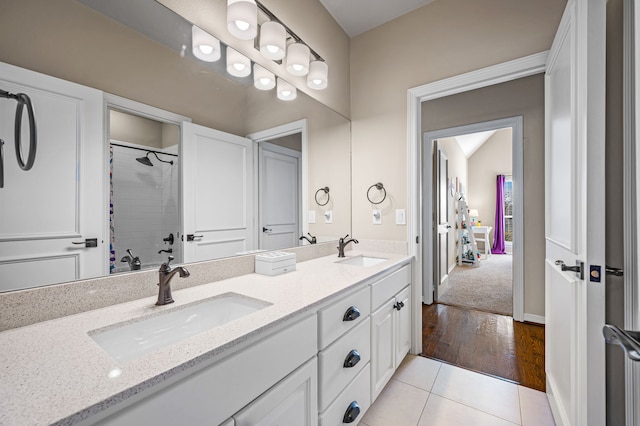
[
  {"x": 298, "y": 59},
  {"x": 242, "y": 19},
  {"x": 263, "y": 79},
  {"x": 204, "y": 46},
  {"x": 273, "y": 40},
  {"x": 318, "y": 75},
  {"x": 286, "y": 92},
  {"x": 238, "y": 65}
]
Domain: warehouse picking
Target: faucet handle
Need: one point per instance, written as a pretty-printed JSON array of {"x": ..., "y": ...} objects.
[{"x": 170, "y": 258}]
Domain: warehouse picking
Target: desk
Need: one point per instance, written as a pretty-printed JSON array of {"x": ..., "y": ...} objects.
[{"x": 484, "y": 237}]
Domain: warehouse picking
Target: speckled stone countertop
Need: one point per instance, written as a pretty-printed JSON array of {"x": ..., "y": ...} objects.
[{"x": 54, "y": 373}]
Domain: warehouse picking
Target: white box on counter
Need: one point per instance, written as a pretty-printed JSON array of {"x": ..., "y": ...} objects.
[{"x": 275, "y": 263}]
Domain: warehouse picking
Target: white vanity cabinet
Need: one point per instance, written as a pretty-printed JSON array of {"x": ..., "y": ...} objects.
[
  {"x": 344, "y": 335},
  {"x": 390, "y": 326}
]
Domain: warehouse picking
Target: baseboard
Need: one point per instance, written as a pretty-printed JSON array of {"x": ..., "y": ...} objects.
[
  {"x": 538, "y": 319},
  {"x": 452, "y": 267}
]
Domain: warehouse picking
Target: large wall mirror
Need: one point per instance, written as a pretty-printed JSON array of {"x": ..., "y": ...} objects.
[{"x": 165, "y": 193}]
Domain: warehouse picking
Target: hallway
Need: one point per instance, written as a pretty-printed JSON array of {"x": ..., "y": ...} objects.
[{"x": 487, "y": 343}]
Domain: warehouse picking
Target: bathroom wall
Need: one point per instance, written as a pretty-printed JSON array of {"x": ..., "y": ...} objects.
[{"x": 436, "y": 41}]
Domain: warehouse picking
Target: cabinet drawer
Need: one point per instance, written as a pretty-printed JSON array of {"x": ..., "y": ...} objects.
[
  {"x": 358, "y": 392},
  {"x": 387, "y": 287},
  {"x": 331, "y": 321},
  {"x": 334, "y": 376}
]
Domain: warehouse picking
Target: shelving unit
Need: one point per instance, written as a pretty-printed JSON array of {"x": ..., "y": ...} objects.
[{"x": 467, "y": 251}]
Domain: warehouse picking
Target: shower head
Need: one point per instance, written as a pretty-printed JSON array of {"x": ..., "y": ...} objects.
[{"x": 147, "y": 161}]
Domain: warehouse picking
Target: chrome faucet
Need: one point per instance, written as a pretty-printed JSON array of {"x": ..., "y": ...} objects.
[
  {"x": 164, "y": 281},
  {"x": 342, "y": 244},
  {"x": 310, "y": 241}
]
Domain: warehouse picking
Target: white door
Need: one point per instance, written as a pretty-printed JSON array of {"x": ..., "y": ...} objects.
[
  {"x": 217, "y": 193},
  {"x": 574, "y": 305},
  {"x": 279, "y": 189},
  {"x": 442, "y": 219},
  {"x": 382, "y": 347},
  {"x": 59, "y": 202}
]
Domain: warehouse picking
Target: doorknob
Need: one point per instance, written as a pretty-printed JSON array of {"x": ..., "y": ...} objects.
[
  {"x": 578, "y": 269},
  {"x": 266, "y": 229},
  {"x": 628, "y": 340},
  {"x": 88, "y": 242},
  {"x": 192, "y": 237}
]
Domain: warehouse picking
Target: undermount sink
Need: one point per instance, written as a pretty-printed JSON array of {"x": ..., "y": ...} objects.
[
  {"x": 362, "y": 260},
  {"x": 133, "y": 339}
]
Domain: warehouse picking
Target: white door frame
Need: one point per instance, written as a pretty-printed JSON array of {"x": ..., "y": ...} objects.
[
  {"x": 299, "y": 126},
  {"x": 517, "y": 162},
  {"x": 631, "y": 129},
  {"x": 507, "y": 71}
]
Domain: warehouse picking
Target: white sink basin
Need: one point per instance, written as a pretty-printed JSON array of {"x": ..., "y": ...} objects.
[
  {"x": 131, "y": 340},
  {"x": 362, "y": 260}
]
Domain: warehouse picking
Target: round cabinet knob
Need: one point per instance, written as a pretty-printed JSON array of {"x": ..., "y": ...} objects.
[
  {"x": 352, "y": 413},
  {"x": 352, "y": 359},
  {"x": 351, "y": 314}
]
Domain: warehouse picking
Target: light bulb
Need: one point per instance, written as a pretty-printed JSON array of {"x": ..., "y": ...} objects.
[
  {"x": 239, "y": 67},
  {"x": 264, "y": 81},
  {"x": 317, "y": 81},
  {"x": 242, "y": 25},
  {"x": 272, "y": 49},
  {"x": 262, "y": 78},
  {"x": 286, "y": 93},
  {"x": 205, "y": 48}
]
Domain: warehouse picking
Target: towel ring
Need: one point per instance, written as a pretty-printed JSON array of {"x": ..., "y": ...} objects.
[
  {"x": 379, "y": 187},
  {"x": 326, "y": 191}
]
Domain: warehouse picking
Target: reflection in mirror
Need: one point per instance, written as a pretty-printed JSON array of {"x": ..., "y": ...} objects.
[
  {"x": 143, "y": 192},
  {"x": 45, "y": 237}
]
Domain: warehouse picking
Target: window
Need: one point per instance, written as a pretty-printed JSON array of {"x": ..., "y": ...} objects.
[{"x": 508, "y": 208}]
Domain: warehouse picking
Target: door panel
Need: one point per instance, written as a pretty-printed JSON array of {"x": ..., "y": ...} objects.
[
  {"x": 442, "y": 205},
  {"x": 575, "y": 226},
  {"x": 279, "y": 197},
  {"x": 218, "y": 192},
  {"x": 57, "y": 202}
]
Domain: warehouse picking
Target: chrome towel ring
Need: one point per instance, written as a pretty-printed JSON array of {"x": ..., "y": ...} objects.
[
  {"x": 326, "y": 191},
  {"x": 379, "y": 187},
  {"x": 23, "y": 100}
]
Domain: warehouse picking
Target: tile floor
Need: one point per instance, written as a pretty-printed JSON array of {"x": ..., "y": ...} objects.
[{"x": 425, "y": 392}]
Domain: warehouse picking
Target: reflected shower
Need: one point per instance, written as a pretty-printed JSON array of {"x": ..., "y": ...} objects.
[{"x": 147, "y": 161}]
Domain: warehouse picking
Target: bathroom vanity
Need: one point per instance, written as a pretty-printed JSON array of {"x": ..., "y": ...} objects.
[{"x": 313, "y": 346}]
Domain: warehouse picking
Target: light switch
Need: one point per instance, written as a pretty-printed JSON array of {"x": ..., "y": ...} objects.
[
  {"x": 401, "y": 217},
  {"x": 377, "y": 217},
  {"x": 328, "y": 216},
  {"x": 312, "y": 216}
]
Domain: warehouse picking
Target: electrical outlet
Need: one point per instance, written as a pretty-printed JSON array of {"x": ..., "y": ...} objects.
[
  {"x": 377, "y": 217},
  {"x": 328, "y": 216},
  {"x": 401, "y": 217},
  {"x": 311, "y": 216}
]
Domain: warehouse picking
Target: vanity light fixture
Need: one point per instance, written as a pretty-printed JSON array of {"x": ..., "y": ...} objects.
[
  {"x": 242, "y": 19},
  {"x": 204, "y": 46},
  {"x": 238, "y": 65},
  {"x": 286, "y": 91},
  {"x": 263, "y": 79},
  {"x": 298, "y": 59},
  {"x": 273, "y": 40},
  {"x": 318, "y": 75}
]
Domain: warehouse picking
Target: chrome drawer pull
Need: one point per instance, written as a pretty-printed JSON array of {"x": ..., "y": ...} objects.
[
  {"x": 351, "y": 314},
  {"x": 352, "y": 413}
]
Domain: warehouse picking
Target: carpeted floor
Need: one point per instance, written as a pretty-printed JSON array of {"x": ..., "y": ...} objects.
[{"x": 487, "y": 287}]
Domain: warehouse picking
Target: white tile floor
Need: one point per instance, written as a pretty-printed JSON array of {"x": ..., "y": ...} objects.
[{"x": 425, "y": 392}]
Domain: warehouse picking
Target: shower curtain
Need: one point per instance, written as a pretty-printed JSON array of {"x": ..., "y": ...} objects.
[
  {"x": 498, "y": 234},
  {"x": 112, "y": 231}
]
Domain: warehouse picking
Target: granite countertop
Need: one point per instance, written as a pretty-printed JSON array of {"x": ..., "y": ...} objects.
[{"x": 54, "y": 373}]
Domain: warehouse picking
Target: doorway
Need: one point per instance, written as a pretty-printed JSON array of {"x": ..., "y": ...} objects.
[{"x": 473, "y": 242}]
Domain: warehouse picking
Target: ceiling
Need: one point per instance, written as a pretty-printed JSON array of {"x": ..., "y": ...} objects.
[
  {"x": 358, "y": 16},
  {"x": 472, "y": 142}
]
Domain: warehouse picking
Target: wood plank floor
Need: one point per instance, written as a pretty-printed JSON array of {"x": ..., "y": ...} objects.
[{"x": 487, "y": 343}]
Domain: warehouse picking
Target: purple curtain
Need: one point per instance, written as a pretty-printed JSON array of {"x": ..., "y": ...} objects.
[{"x": 498, "y": 231}]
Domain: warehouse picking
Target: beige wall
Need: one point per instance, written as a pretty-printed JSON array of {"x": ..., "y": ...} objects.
[
  {"x": 523, "y": 97},
  {"x": 458, "y": 167},
  {"x": 491, "y": 159},
  {"x": 442, "y": 39}
]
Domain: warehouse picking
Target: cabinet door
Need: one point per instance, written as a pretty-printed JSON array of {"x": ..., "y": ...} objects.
[
  {"x": 403, "y": 324},
  {"x": 382, "y": 347},
  {"x": 292, "y": 402}
]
